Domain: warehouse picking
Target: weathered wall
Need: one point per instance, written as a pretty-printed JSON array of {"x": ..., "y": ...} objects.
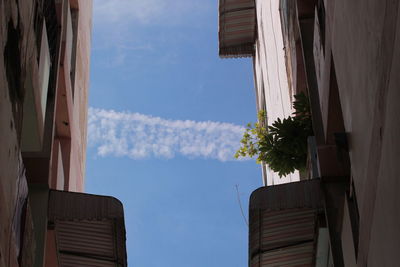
[
  {"x": 17, "y": 17},
  {"x": 272, "y": 88},
  {"x": 11, "y": 167}
]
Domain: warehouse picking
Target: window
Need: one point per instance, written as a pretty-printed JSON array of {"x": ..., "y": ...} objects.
[
  {"x": 354, "y": 214},
  {"x": 74, "y": 20},
  {"x": 322, "y": 23}
]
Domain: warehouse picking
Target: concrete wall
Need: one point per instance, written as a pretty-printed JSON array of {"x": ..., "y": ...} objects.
[
  {"x": 353, "y": 82},
  {"x": 272, "y": 89},
  {"x": 366, "y": 52}
]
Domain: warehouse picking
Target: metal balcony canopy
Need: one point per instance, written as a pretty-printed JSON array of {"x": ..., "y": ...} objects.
[
  {"x": 89, "y": 229},
  {"x": 283, "y": 222},
  {"x": 237, "y": 28}
]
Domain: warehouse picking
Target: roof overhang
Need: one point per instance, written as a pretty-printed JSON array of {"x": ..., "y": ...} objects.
[
  {"x": 89, "y": 229},
  {"x": 283, "y": 224},
  {"x": 237, "y": 28}
]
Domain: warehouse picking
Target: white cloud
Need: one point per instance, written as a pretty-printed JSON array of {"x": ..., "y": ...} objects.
[{"x": 141, "y": 136}]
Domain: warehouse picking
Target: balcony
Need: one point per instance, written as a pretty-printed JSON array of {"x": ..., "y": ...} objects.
[{"x": 65, "y": 95}]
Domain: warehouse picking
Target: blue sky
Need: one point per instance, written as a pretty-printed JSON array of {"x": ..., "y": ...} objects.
[{"x": 166, "y": 115}]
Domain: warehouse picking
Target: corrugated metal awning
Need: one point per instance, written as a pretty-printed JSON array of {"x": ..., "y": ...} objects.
[
  {"x": 237, "y": 28},
  {"x": 89, "y": 229},
  {"x": 283, "y": 224}
]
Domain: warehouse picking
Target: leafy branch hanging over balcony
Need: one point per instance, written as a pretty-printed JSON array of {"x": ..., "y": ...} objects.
[{"x": 283, "y": 145}]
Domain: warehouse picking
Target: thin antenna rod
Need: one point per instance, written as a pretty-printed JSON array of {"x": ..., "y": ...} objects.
[{"x": 240, "y": 205}]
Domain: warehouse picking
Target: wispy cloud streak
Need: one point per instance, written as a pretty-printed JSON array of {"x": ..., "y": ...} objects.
[
  {"x": 145, "y": 11},
  {"x": 141, "y": 136}
]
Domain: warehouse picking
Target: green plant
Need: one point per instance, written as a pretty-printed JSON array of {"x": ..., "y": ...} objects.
[{"x": 283, "y": 145}]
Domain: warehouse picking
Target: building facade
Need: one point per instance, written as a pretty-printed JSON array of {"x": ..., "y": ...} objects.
[
  {"x": 253, "y": 29},
  {"x": 44, "y": 80},
  {"x": 345, "y": 55}
]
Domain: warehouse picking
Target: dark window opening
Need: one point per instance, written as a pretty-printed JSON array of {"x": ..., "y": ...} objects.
[
  {"x": 354, "y": 214},
  {"x": 53, "y": 35},
  {"x": 322, "y": 23},
  {"x": 38, "y": 25},
  {"x": 74, "y": 20},
  {"x": 12, "y": 58}
]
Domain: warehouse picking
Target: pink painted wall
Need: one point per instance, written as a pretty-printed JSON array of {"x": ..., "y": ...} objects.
[{"x": 80, "y": 108}]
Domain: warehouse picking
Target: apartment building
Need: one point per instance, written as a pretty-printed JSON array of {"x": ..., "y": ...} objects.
[
  {"x": 345, "y": 56},
  {"x": 45, "y": 218}
]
